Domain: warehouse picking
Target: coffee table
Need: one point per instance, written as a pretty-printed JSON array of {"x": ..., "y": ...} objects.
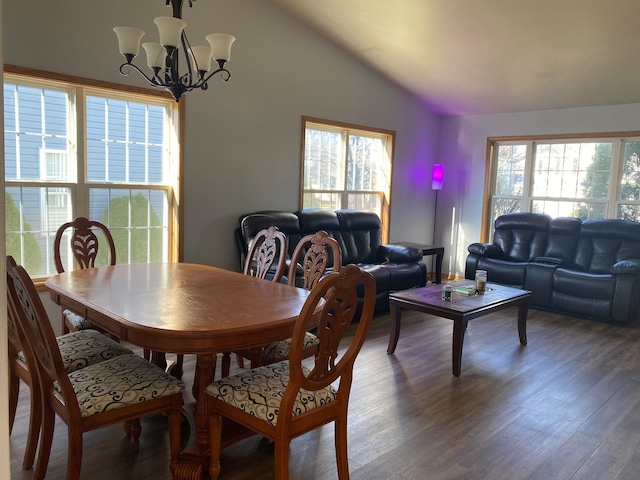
[{"x": 460, "y": 309}]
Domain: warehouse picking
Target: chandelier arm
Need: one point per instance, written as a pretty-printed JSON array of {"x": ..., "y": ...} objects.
[
  {"x": 188, "y": 79},
  {"x": 224, "y": 74},
  {"x": 155, "y": 81}
]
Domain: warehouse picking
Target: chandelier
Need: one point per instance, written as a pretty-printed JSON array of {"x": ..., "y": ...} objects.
[{"x": 163, "y": 57}]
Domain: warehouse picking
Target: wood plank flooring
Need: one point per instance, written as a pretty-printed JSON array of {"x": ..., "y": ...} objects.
[{"x": 567, "y": 406}]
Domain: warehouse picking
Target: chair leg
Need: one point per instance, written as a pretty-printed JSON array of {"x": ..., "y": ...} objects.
[
  {"x": 35, "y": 422},
  {"x": 46, "y": 438},
  {"x": 215, "y": 436},
  {"x": 14, "y": 393},
  {"x": 281, "y": 459},
  {"x": 226, "y": 364},
  {"x": 132, "y": 428},
  {"x": 240, "y": 360},
  {"x": 177, "y": 370},
  {"x": 342, "y": 459},
  {"x": 74, "y": 455}
]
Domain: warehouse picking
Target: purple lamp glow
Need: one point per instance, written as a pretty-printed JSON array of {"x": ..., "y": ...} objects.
[{"x": 437, "y": 176}]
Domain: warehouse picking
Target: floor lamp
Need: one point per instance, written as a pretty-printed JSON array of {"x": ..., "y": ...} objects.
[{"x": 437, "y": 176}]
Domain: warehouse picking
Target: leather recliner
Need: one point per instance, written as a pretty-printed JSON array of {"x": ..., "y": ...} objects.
[
  {"x": 359, "y": 235},
  {"x": 587, "y": 268}
]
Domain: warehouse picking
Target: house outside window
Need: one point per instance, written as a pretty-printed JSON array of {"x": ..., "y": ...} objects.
[
  {"x": 78, "y": 150},
  {"x": 346, "y": 166},
  {"x": 586, "y": 177}
]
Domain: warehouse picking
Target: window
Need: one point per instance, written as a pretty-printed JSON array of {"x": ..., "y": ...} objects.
[
  {"x": 80, "y": 149},
  {"x": 584, "y": 177},
  {"x": 346, "y": 166}
]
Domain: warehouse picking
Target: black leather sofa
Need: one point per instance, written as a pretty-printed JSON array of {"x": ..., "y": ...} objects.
[
  {"x": 585, "y": 268},
  {"x": 359, "y": 234}
]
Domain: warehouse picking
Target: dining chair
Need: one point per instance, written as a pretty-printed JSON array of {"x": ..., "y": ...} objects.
[
  {"x": 84, "y": 245},
  {"x": 266, "y": 259},
  {"x": 313, "y": 255},
  {"x": 121, "y": 389},
  {"x": 78, "y": 350},
  {"x": 286, "y": 399},
  {"x": 267, "y": 256}
]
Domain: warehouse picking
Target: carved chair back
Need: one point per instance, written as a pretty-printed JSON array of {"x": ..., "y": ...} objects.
[
  {"x": 84, "y": 243},
  {"x": 267, "y": 255}
]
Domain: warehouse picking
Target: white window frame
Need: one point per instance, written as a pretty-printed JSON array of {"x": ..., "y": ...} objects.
[{"x": 77, "y": 184}]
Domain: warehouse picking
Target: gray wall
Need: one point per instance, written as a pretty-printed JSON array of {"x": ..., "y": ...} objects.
[{"x": 242, "y": 146}]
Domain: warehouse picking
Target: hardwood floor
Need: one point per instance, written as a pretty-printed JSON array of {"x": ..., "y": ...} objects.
[{"x": 567, "y": 406}]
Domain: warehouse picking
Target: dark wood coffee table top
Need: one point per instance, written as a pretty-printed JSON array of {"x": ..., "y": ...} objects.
[{"x": 431, "y": 296}]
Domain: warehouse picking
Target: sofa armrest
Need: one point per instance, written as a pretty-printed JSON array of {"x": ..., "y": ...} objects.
[
  {"x": 630, "y": 266},
  {"x": 399, "y": 254},
  {"x": 486, "y": 250},
  {"x": 558, "y": 262}
]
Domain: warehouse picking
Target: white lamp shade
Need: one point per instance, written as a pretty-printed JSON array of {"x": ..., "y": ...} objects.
[
  {"x": 170, "y": 29},
  {"x": 220, "y": 45},
  {"x": 202, "y": 57},
  {"x": 156, "y": 54},
  {"x": 129, "y": 40}
]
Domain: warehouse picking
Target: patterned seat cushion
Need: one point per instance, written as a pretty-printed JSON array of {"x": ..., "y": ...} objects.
[
  {"x": 259, "y": 392},
  {"x": 79, "y": 322},
  {"x": 87, "y": 347},
  {"x": 280, "y": 350},
  {"x": 84, "y": 348},
  {"x": 118, "y": 382}
]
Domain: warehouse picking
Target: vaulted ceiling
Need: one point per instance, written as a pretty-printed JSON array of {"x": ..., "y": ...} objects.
[{"x": 467, "y": 57}]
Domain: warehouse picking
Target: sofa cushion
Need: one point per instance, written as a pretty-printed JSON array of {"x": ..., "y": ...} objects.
[
  {"x": 605, "y": 242},
  {"x": 562, "y": 240},
  {"x": 504, "y": 271},
  {"x": 361, "y": 236},
  {"x": 286, "y": 222},
  {"x": 521, "y": 236}
]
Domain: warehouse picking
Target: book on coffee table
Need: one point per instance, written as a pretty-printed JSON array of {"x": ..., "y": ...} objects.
[{"x": 468, "y": 291}]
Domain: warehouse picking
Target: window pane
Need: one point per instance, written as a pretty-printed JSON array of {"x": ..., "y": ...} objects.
[
  {"x": 630, "y": 184},
  {"x": 33, "y": 215},
  {"x": 573, "y": 170},
  {"x": 36, "y": 122},
  {"x": 365, "y": 201},
  {"x": 366, "y": 159},
  {"x": 629, "y": 212},
  {"x": 510, "y": 169},
  {"x": 324, "y": 160},
  {"x": 138, "y": 220},
  {"x": 330, "y": 201},
  {"x": 125, "y": 141},
  {"x": 577, "y": 209},
  {"x": 502, "y": 206}
]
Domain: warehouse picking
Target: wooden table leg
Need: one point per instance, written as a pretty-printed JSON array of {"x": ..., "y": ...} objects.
[
  {"x": 194, "y": 459},
  {"x": 439, "y": 267},
  {"x": 395, "y": 327},
  {"x": 459, "y": 328},
  {"x": 523, "y": 310}
]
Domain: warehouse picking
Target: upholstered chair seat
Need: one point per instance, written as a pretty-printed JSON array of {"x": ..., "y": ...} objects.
[
  {"x": 73, "y": 321},
  {"x": 88, "y": 347},
  {"x": 279, "y": 350},
  {"x": 259, "y": 392},
  {"x": 119, "y": 382}
]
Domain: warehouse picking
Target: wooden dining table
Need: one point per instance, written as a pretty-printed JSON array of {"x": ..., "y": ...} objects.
[{"x": 185, "y": 309}]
